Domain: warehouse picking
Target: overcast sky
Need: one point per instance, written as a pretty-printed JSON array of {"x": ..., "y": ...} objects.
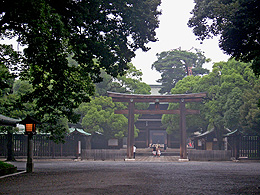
[{"x": 173, "y": 33}]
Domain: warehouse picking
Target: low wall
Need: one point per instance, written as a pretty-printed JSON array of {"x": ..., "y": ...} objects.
[
  {"x": 104, "y": 154},
  {"x": 209, "y": 155}
]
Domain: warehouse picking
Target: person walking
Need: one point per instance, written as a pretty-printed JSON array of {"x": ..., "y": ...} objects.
[
  {"x": 154, "y": 150},
  {"x": 158, "y": 151},
  {"x": 134, "y": 150},
  {"x": 165, "y": 147}
]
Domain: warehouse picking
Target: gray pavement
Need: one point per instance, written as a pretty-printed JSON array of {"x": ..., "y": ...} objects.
[
  {"x": 134, "y": 177},
  {"x": 157, "y": 159}
]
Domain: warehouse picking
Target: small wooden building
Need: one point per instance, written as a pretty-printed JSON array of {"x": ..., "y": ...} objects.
[
  {"x": 7, "y": 121},
  {"x": 82, "y": 139},
  {"x": 208, "y": 140}
]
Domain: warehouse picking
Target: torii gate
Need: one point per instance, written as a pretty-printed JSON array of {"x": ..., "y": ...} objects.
[{"x": 178, "y": 98}]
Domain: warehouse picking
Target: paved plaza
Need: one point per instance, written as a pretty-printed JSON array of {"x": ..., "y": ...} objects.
[
  {"x": 153, "y": 176},
  {"x": 157, "y": 159}
]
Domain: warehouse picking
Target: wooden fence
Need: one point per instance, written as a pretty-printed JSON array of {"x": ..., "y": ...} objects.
[
  {"x": 104, "y": 154},
  {"x": 209, "y": 155},
  {"x": 244, "y": 146},
  {"x": 249, "y": 147},
  {"x": 43, "y": 146},
  {"x": 240, "y": 147}
]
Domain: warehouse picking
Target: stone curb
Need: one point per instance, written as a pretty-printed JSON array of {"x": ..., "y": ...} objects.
[{"x": 13, "y": 174}]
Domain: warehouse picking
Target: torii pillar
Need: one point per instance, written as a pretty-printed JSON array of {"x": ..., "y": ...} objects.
[
  {"x": 131, "y": 129},
  {"x": 183, "y": 147}
]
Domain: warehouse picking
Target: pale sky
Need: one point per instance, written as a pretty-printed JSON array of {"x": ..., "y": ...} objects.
[{"x": 173, "y": 33}]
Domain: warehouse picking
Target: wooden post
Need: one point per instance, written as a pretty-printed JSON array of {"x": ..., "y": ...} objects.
[
  {"x": 237, "y": 140},
  {"x": 183, "y": 147},
  {"x": 10, "y": 146},
  {"x": 130, "y": 137},
  {"x": 29, "y": 164},
  {"x": 147, "y": 134}
]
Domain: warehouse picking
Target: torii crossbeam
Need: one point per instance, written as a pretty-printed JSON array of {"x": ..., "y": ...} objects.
[{"x": 178, "y": 98}]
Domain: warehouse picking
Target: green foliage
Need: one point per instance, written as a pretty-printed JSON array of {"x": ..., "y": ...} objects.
[
  {"x": 174, "y": 65},
  {"x": 6, "y": 79},
  {"x": 57, "y": 126},
  {"x": 8, "y": 59},
  {"x": 11, "y": 103},
  {"x": 233, "y": 93},
  {"x": 6, "y": 168},
  {"x": 98, "y": 34},
  {"x": 249, "y": 111},
  {"x": 4, "y": 165},
  {"x": 131, "y": 82},
  {"x": 237, "y": 22},
  {"x": 225, "y": 89},
  {"x": 194, "y": 122},
  {"x": 98, "y": 116}
]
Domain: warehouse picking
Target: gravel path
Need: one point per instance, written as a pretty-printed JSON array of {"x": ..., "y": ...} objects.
[{"x": 135, "y": 177}]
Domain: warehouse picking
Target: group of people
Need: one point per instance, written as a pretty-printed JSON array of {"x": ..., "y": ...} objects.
[{"x": 156, "y": 150}]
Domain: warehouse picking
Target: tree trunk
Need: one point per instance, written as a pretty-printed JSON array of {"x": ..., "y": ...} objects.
[
  {"x": 219, "y": 135},
  {"x": 10, "y": 147}
]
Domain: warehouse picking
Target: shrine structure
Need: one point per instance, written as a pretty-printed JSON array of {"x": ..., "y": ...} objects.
[{"x": 131, "y": 99}]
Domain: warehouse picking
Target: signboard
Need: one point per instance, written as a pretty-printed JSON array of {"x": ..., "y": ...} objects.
[{"x": 113, "y": 142}]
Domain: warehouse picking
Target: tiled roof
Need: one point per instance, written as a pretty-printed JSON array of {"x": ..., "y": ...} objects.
[
  {"x": 80, "y": 131},
  {"x": 8, "y": 121}
]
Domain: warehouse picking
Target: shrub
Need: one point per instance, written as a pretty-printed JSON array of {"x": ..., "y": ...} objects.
[{"x": 6, "y": 168}]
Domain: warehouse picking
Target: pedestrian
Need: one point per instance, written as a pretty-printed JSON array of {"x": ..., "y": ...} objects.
[
  {"x": 165, "y": 147},
  {"x": 134, "y": 150},
  {"x": 159, "y": 152},
  {"x": 154, "y": 150}
]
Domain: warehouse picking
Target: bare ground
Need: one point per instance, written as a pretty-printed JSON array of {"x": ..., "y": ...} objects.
[{"x": 138, "y": 177}]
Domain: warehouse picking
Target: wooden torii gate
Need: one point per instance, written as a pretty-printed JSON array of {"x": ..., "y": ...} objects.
[{"x": 178, "y": 98}]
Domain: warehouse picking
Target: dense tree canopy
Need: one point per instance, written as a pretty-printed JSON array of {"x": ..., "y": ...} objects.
[
  {"x": 99, "y": 34},
  {"x": 194, "y": 122},
  {"x": 236, "y": 21},
  {"x": 174, "y": 65},
  {"x": 131, "y": 82},
  {"x": 98, "y": 116},
  {"x": 249, "y": 111},
  {"x": 8, "y": 59},
  {"x": 231, "y": 102}
]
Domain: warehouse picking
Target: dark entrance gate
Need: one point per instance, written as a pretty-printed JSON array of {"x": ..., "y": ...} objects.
[
  {"x": 178, "y": 98},
  {"x": 158, "y": 136}
]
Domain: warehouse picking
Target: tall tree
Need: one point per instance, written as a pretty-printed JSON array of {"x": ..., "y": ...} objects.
[
  {"x": 107, "y": 31},
  {"x": 194, "y": 122},
  {"x": 8, "y": 59},
  {"x": 98, "y": 116},
  {"x": 131, "y": 82},
  {"x": 225, "y": 86},
  {"x": 236, "y": 21},
  {"x": 230, "y": 102},
  {"x": 250, "y": 112},
  {"x": 174, "y": 65}
]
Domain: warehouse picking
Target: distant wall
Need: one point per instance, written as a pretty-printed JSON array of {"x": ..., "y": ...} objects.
[
  {"x": 104, "y": 154},
  {"x": 209, "y": 155}
]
